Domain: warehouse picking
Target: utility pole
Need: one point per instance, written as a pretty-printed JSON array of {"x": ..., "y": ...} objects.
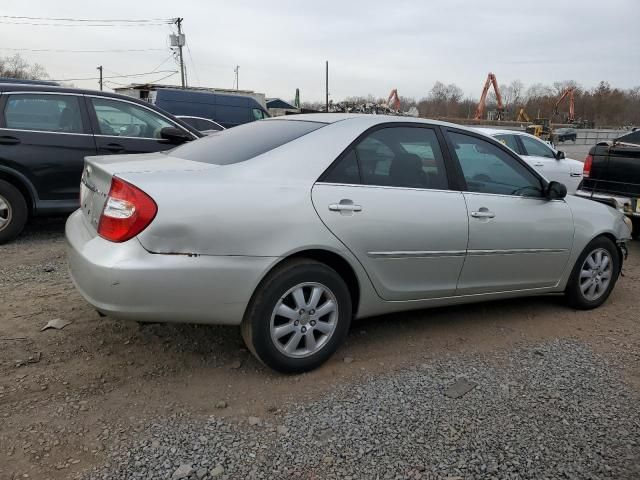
[
  {"x": 180, "y": 45},
  {"x": 237, "y": 72},
  {"x": 100, "y": 81},
  {"x": 327, "y": 86}
]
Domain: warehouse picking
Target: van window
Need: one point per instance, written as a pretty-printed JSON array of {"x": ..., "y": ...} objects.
[
  {"x": 257, "y": 114},
  {"x": 246, "y": 141}
]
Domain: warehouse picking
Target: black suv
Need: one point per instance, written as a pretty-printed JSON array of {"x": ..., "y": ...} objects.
[{"x": 45, "y": 133}]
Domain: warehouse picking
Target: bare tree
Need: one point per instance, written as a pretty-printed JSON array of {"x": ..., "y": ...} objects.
[{"x": 16, "y": 67}]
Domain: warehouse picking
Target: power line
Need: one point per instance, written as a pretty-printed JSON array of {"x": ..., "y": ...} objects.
[
  {"x": 121, "y": 20},
  {"x": 152, "y": 81},
  {"x": 61, "y": 50},
  {"x": 114, "y": 76},
  {"x": 85, "y": 24},
  {"x": 193, "y": 64}
]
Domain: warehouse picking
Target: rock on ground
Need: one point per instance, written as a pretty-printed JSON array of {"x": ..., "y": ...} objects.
[{"x": 553, "y": 410}]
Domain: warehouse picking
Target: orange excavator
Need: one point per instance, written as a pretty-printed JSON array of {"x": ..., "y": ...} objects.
[
  {"x": 568, "y": 92},
  {"x": 491, "y": 80}
]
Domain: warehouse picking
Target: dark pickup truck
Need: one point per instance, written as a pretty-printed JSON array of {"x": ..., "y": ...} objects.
[{"x": 612, "y": 176}]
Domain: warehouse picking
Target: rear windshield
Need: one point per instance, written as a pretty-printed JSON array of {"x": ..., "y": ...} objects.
[{"x": 246, "y": 141}]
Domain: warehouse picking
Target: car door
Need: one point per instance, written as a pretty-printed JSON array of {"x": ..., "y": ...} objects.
[
  {"x": 126, "y": 127},
  {"x": 517, "y": 238},
  {"x": 387, "y": 198},
  {"x": 45, "y": 136}
]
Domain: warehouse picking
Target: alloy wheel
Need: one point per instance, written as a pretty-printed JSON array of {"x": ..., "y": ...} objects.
[
  {"x": 5, "y": 213},
  {"x": 304, "y": 319},
  {"x": 595, "y": 274}
]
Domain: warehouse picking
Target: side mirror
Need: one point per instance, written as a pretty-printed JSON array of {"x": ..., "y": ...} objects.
[
  {"x": 556, "y": 191},
  {"x": 560, "y": 155},
  {"x": 174, "y": 135}
]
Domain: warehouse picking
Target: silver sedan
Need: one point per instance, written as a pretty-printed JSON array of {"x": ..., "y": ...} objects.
[{"x": 290, "y": 227}]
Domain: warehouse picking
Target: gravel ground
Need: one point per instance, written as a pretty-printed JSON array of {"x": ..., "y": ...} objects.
[{"x": 552, "y": 410}]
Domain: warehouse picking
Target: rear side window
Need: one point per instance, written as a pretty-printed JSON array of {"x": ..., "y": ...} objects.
[
  {"x": 49, "y": 113},
  {"x": 246, "y": 141},
  {"x": 408, "y": 157},
  {"x": 633, "y": 137}
]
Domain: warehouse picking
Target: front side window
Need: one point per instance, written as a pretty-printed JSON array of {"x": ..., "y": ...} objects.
[
  {"x": 124, "y": 119},
  {"x": 257, "y": 114},
  {"x": 48, "y": 113},
  {"x": 536, "y": 148},
  {"x": 402, "y": 157},
  {"x": 488, "y": 169},
  {"x": 510, "y": 141}
]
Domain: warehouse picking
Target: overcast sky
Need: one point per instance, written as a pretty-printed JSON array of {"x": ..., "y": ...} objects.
[{"x": 372, "y": 46}]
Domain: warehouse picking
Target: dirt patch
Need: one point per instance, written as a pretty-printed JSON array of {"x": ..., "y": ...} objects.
[{"x": 66, "y": 395}]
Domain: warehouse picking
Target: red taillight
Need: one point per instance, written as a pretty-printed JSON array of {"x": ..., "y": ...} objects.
[
  {"x": 127, "y": 211},
  {"x": 587, "y": 166}
]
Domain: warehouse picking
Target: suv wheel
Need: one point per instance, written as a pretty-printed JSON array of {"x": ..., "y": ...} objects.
[
  {"x": 13, "y": 212},
  {"x": 594, "y": 274},
  {"x": 298, "y": 317}
]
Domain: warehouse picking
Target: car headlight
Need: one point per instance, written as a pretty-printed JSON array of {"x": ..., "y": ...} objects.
[{"x": 628, "y": 223}]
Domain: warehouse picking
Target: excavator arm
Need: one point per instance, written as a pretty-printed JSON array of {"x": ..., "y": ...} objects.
[
  {"x": 567, "y": 93},
  {"x": 491, "y": 80}
]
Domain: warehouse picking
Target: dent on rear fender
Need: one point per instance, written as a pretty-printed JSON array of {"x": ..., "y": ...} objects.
[{"x": 173, "y": 239}]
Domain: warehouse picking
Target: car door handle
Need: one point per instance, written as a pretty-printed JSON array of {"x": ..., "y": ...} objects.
[
  {"x": 113, "y": 147},
  {"x": 538, "y": 164},
  {"x": 346, "y": 206},
  {"x": 336, "y": 207},
  {"x": 483, "y": 214},
  {"x": 9, "y": 140}
]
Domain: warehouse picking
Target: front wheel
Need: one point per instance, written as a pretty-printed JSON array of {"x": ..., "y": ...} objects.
[
  {"x": 13, "y": 212},
  {"x": 594, "y": 274},
  {"x": 298, "y": 317}
]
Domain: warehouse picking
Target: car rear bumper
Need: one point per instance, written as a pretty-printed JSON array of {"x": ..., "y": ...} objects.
[
  {"x": 126, "y": 281},
  {"x": 627, "y": 205}
]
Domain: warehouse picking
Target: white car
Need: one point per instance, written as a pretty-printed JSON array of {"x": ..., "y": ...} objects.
[{"x": 549, "y": 162}]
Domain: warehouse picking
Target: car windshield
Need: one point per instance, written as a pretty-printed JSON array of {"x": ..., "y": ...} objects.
[{"x": 246, "y": 141}]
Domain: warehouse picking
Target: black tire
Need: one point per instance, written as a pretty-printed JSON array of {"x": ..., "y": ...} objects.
[
  {"x": 256, "y": 324},
  {"x": 575, "y": 296},
  {"x": 13, "y": 210},
  {"x": 635, "y": 232}
]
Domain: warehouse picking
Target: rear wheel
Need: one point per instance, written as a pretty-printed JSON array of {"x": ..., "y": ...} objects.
[
  {"x": 298, "y": 317},
  {"x": 594, "y": 274},
  {"x": 13, "y": 212}
]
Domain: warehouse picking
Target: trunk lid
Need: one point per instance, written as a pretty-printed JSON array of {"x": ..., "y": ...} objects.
[{"x": 98, "y": 172}]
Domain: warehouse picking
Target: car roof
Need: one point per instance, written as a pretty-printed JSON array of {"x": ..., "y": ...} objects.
[
  {"x": 499, "y": 131},
  {"x": 25, "y": 87},
  {"x": 364, "y": 119}
]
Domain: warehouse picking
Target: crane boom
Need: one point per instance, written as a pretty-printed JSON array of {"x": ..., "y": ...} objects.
[
  {"x": 567, "y": 92},
  {"x": 491, "y": 80}
]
